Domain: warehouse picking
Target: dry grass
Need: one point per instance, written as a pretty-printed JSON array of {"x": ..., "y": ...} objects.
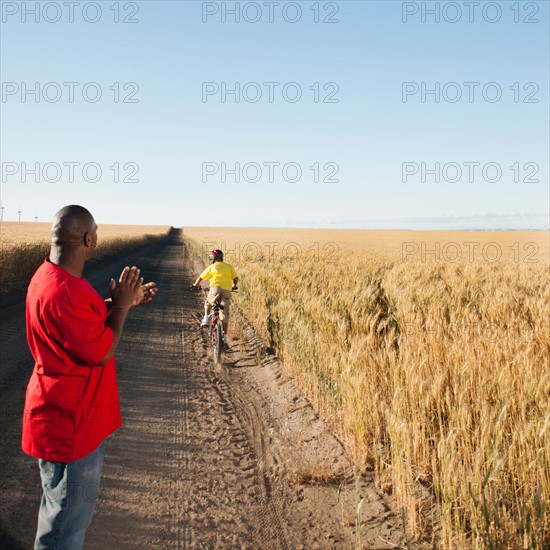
[
  {"x": 24, "y": 245},
  {"x": 434, "y": 370},
  {"x": 321, "y": 473}
]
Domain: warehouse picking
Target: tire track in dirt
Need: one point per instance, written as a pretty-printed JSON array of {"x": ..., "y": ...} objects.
[
  {"x": 270, "y": 524},
  {"x": 182, "y": 441},
  {"x": 270, "y": 513}
]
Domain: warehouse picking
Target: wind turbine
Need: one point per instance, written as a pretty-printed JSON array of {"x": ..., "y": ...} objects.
[
  {"x": 36, "y": 218},
  {"x": 2, "y": 208},
  {"x": 19, "y": 212}
]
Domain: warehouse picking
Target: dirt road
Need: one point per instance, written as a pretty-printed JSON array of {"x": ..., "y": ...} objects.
[{"x": 207, "y": 457}]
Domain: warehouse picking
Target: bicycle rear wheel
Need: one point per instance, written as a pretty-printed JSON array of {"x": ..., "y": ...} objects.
[{"x": 218, "y": 343}]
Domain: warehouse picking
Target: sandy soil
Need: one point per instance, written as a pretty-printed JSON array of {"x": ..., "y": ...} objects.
[{"x": 208, "y": 457}]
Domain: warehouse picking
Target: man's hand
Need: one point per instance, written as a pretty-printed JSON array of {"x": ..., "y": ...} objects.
[
  {"x": 149, "y": 290},
  {"x": 129, "y": 289}
]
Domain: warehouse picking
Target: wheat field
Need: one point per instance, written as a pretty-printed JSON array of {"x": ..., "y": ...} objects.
[
  {"x": 428, "y": 353},
  {"x": 24, "y": 245}
]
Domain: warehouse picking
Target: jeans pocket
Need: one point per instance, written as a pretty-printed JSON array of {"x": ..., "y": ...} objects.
[{"x": 53, "y": 476}]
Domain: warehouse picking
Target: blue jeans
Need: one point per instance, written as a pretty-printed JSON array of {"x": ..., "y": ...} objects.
[{"x": 68, "y": 501}]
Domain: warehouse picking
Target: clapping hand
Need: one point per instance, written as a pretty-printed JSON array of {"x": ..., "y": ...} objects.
[
  {"x": 130, "y": 290},
  {"x": 148, "y": 293}
]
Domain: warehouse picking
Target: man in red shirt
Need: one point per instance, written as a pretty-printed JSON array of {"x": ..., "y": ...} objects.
[{"x": 72, "y": 403}]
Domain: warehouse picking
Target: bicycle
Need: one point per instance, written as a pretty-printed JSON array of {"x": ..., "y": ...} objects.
[{"x": 216, "y": 326}]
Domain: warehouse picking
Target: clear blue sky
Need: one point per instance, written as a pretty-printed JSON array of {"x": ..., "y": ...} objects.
[{"x": 171, "y": 130}]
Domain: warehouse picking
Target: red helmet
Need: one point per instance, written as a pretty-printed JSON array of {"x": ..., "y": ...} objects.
[{"x": 215, "y": 255}]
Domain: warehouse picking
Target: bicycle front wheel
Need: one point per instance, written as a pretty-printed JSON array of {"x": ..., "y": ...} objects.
[{"x": 218, "y": 343}]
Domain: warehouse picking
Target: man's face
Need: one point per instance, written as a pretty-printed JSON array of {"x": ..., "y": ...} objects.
[
  {"x": 91, "y": 241},
  {"x": 94, "y": 234}
]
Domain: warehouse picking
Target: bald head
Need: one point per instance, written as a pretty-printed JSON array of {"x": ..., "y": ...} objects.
[{"x": 70, "y": 226}]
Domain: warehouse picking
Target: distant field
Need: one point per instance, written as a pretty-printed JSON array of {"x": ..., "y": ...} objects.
[
  {"x": 428, "y": 352},
  {"x": 28, "y": 232},
  {"x": 529, "y": 247},
  {"x": 24, "y": 245}
]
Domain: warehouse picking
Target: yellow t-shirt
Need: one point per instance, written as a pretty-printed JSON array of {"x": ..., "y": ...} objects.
[{"x": 220, "y": 274}]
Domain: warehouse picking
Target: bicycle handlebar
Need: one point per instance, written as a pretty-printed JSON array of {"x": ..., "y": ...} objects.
[{"x": 192, "y": 287}]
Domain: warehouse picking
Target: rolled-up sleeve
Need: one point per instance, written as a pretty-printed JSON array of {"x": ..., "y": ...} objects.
[{"x": 206, "y": 274}]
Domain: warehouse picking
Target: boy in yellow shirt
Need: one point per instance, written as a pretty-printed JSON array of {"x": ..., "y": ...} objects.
[{"x": 223, "y": 280}]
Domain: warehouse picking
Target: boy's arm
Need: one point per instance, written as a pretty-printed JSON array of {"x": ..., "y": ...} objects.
[
  {"x": 235, "y": 278},
  {"x": 203, "y": 276}
]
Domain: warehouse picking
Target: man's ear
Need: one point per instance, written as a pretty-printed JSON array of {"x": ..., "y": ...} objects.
[{"x": 88, "y": 239}]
